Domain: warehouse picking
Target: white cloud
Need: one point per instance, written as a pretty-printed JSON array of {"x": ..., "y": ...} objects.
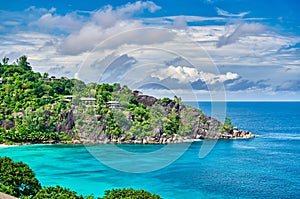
[
  {"x": 255, "y": 53},
  {"x": 41, "y": 51},
  {"x": 108, "y": 16},
  {"x": 138, "y": 6},
  {"x": 180, "y": 22},
  {"x": 107, "y": 22},
  {"x": 122, "y": 33},
  {"x": 241, "y": 30},
  {"x": 33, "y": 9},
  {"x": 227, "y": 14},
  {"x": 67, "y": 23},
  {"x": 186, "y": 74}
]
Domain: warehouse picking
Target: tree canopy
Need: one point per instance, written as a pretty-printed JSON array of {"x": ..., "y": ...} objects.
[
  {"x": 129, "y": 193},
  {"x": 56, "y": 193},
  {"x": 17, "y": 179}
]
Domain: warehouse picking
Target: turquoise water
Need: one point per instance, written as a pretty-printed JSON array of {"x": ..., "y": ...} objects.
[{"x": 265, "y": 167}]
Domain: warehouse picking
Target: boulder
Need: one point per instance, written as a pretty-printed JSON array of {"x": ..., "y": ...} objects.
[{"x": 7, "y": 124}]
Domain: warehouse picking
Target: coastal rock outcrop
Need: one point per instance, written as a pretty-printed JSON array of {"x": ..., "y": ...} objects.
[{"x": 194, "y": 125}]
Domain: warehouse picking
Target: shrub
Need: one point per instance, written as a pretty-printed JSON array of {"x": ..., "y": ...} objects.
[
  {"x": 129, "y": 194},
  {"x": 55, "y": 193},
  {"x": 17, "y": 179}
]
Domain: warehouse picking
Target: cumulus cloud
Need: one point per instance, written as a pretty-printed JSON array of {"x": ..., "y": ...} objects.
[
  {"x": 186, "y": 74},
  {"x": 108, "y": 16},
  {"x": 227, "y": 14},
  {"x": 107, "y": 22},
  {"x": 274, "y": 55},
  {"x": 120, "y": 34},
  {"x": 242, "y": 30},
  {"x": 67, "y": 23},
  {"x": 180, "y": 22}
]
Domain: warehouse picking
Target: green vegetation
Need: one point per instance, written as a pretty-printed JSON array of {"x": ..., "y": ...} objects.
[
  {"x": 227, "y": 126},
  {"x": 29, "y": 105},
  {"x": 129, "y": 194},
  {"x": 132, "y": 118},
  {"x": 34, "y": 109},
  {"x": 55, "y": 193},
  {"x": 17, "y": 179}
]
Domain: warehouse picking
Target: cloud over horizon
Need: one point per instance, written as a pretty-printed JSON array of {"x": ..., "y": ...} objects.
[{"x": 188, "y": 75}]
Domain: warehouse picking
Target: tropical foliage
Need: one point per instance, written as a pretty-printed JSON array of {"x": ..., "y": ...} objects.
[
  {"x": 33, "y": 108},
  {"x": 30, "y": 103},
  {"x": 56, "y": 193},
  {"x": 129, "y": 194},
  {"x": 17, "y": 179}
]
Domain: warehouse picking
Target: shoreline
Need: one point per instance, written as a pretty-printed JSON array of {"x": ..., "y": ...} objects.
[{"x": 133, "y": 142}]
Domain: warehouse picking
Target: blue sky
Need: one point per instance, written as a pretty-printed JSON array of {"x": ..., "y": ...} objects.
[{"x": 249, "y": 48}]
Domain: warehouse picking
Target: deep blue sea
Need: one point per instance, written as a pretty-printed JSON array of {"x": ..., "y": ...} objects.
[{"x": 267, "y": 166}]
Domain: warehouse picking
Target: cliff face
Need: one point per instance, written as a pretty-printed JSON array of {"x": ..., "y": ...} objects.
[
  {"x": 68, "y": 123},
  {"x": 7, "y": 124},
  {"x": 170, "y": 121},
  {"x": 93, "y": 128}
]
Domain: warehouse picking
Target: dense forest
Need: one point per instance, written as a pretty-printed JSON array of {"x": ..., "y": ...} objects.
[
  {"x": 35, "y": 108},
  {"x": 25, "y": 100}
]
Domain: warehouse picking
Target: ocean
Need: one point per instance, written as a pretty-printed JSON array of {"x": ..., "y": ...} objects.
[{"x": 267, "y": 166}]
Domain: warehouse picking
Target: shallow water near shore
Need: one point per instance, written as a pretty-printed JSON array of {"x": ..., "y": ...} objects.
[{"x": 265, "y": 167}]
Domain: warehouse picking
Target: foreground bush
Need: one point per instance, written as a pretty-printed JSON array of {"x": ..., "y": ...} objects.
[
  {"x": 17, "y": 179},
  {"x": 56, "y": 193},
  {"x": 129, "y": 194}
]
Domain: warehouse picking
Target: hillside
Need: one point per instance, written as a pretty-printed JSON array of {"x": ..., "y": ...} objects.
[{"x": 36, "y": 108}]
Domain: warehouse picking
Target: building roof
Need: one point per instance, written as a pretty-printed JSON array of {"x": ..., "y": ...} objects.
[
  {"x": 88, "y": 99},
  {"x": 69, "y": 96},
  {"x": 113, "y": 102}
]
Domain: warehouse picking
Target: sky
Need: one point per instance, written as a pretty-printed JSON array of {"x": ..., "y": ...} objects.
[{"x": 234, "y": 50}]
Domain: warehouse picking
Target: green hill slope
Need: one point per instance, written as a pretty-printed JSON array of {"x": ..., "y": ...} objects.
[{"x": 36, "y": 108}]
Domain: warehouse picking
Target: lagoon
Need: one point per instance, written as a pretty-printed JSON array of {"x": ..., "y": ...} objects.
[{"x": 265, "y": 167}]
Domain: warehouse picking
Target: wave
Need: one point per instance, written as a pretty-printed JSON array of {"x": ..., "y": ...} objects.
[
  {"x": 244, "y": 146},
  {"x": 7, "y": 146},
  {"x": 282, "y": 136}
]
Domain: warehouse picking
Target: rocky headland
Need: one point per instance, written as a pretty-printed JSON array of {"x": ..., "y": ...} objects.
[
  {"x": 200, "y": 125},
  {"x": 36, "y": 108}
]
